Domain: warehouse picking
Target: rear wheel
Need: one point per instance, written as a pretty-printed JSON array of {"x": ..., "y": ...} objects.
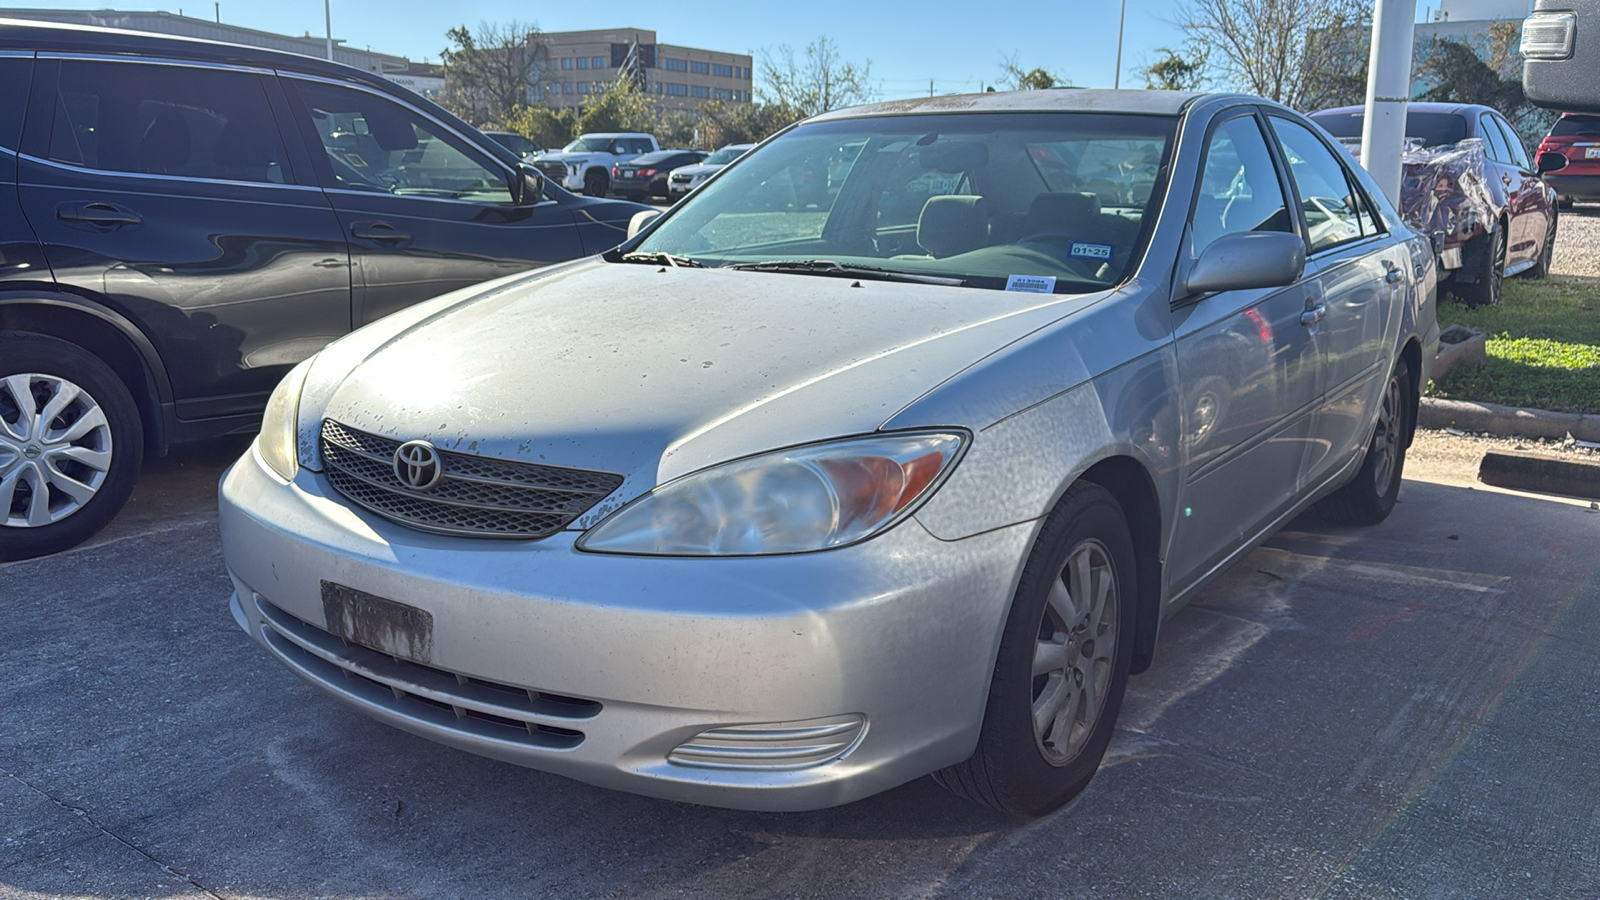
[
  {"x": 1541, "y": 268},
  {"x": 1371, "y": 494},
  {"x": 1063, "y": 663},
  {"x": 70, "y": 445},
  {"x": 1488, "y": 256}
]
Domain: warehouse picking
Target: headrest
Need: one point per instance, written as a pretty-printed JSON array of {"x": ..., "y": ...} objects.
[
  {"x": 1062, "y": 213},
  {"x": 953, "y": 224},
  {"x": 166, "y": 142}
]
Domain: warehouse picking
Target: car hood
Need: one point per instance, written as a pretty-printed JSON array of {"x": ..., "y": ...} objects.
[
  {"x": 697, "y": 169},
  {"x": 652, "y": 372}
]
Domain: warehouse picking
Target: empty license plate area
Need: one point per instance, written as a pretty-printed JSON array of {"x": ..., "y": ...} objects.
[{"x": 378, "y": 623}]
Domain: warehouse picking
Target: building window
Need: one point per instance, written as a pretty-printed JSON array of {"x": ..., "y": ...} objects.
[
  {"x": 700, "y": 91},
  {"x": 583, "y": 87},
  {"x": 700, "y": 68},
  {"x": 677, "y": 90},
  {"x": 597, "y": 62},
  {"x": 723, "y": 71},
  {"x": 583, "y": 62},
  {"x": 568, "y": 88},
  {"x": 721, "y": 94},
  {"x": 566, "y": 62},
  {"x": 675, "y": 65}
]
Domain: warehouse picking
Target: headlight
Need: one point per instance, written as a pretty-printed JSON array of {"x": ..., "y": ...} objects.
[
  {"x": 789, "y": 501},
  {"x": 280, "y": 423}
]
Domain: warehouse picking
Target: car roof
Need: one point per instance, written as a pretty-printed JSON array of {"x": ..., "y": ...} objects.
[
  {"x": 1058, "y": 100},
  {"x": 1462, "y": 109},
  {"x": 614, "y": 134}
]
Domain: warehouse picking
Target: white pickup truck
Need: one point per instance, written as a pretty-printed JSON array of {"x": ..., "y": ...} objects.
[{"x": 585, "y": 164}]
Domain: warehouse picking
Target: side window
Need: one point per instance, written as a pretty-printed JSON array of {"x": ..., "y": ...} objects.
[
  {"x": 1519, "y": 153},
  {"x": 1239, "y": 186},
  {"x": 14, "y": 72},
  {"x": 1332, "y": 207},
  {"x": 375, "y": 144},
  {"x": 1494, "y": 139},
  {"x": 166, "y": 120}
]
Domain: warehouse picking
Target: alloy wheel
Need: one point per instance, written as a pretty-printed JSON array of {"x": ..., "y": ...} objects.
[
  {"x": 1386, "y": 440},
  {"x": 1073, "y": 654},
  {"x": 55, "y": 449}
]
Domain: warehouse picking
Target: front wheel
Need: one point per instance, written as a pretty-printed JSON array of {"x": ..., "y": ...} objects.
[
  {"x": 595, "y": 183},
  {"x": 70, "y": 445},
  {"x": 1371, "y": 494},
  {"x": 1063, "y": 663}
]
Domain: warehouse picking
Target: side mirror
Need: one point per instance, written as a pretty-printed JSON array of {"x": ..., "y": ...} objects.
[
  {"x": 640, "y": 220},
  {"x": 1247, "y": 261},
  {"x": 532, "y": 185},
  {"x": 1550, "y": 161}
]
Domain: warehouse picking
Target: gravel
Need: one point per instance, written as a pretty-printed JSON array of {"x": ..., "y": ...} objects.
[{"x": 1578, "y": 242}]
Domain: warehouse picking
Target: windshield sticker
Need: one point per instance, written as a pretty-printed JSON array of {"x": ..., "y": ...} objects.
[
  {"x": 1032, "y": 284},
  {"x": 1081, "y": 250}
]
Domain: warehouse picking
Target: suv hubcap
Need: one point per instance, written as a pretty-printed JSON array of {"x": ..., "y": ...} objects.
[{"x": 55, "y": 449}]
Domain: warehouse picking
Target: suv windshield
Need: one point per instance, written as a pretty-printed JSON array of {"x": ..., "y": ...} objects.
[
  {"x": 1056, "y": 201},
  {"x": 589, "y": 145}
]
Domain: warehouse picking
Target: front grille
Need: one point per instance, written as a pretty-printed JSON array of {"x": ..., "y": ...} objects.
[
  {"x": 682, "y": 179},
  {"x": 443, "y": 699},
  {"x": 555, "y": 171},
  {"x": 477, "y": 495}
]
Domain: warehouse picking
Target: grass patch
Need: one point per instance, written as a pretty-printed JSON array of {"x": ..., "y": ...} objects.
[{"x": 1543, "y": 343}]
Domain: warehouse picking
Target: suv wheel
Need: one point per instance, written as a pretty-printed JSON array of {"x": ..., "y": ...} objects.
[
  {"x": 595, "y": 183},
  {"x": 70, "y": 445}
]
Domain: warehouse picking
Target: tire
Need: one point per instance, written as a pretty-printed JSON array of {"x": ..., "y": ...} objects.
[
  {"x": 83, "y": 462},
  {"x": 595, "y": 183},
  {"x": 1565, "y": 202},
  {"x": 1541, "y": 267},
  {"x": 1490, "y": 260},
  {"x": 1371, "y": 494},
  {"x": 1031, "y": 770}
]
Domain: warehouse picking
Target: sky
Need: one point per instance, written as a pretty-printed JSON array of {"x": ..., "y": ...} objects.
[{"x": 957, "y": 45}]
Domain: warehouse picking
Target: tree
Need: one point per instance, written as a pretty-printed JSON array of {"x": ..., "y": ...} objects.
[
  {"x": 819, "y": 82},
  {"x": 1175, "y": 72},
  {"x": 678, "y": 128},
  {"x": 549, "y": 128},
  {"x": 488, "y": 73},
  {"x": 1284, "y": 50},
  {"x": 742, "y": 123},
  {"x": 621, "y": 107},
  {"x": 1037, "y": 79},
  {"x": 1458, "y": 72}
]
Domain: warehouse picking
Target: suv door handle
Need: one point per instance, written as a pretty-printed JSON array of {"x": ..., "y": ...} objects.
[
  {"x": 1314, "y": 315},
  {"x": 382, "y": 232},
  {"x": 97, "y": 214}
]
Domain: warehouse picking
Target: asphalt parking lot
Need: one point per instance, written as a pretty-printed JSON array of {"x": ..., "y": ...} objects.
[{"x": 1409, "y": 711}]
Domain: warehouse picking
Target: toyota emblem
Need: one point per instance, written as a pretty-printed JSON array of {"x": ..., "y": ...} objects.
[{"x": 418, "y": 465}]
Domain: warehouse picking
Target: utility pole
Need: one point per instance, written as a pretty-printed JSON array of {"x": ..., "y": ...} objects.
[
  {"x": 1383, "y": 132},
  {"x": 1122, "y": 21},
  {"x": 327, "y": 21},
  {"x": 218, "y": 8},
  {"x": 930, "y": 87}
]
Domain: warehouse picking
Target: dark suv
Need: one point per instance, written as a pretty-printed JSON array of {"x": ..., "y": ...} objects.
[{"x": 182, "y": 221}]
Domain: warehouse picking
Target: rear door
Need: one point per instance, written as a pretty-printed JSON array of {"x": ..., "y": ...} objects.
[
  {"x": 1530, "y": 201},
  {"x": 167, "y": 190},
  {"x": 21, "y": 259},
  {"x": 425, "y": 209}
]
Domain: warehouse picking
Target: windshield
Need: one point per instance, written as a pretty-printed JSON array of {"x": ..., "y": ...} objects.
[
  {"x": 1041, "y": 201},
  {"x": 724, "y": 156},
  {"x": 589, "y": 145},
  {"x": 1422, "y": 129}
]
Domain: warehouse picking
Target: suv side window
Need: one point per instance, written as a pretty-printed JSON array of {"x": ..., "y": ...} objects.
[
  {"x": 149, "y": 119},
  {"x": 376, "y": 145},
  {"x": 1239, "y": 186},
  {"x": 1332, "y": 207}
]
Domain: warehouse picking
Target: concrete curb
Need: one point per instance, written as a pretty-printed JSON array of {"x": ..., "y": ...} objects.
[
  {"x": 1470, "y": 351},
  {"x": 1506, "y": 421},
  {"x": 1541, "y": 474}
]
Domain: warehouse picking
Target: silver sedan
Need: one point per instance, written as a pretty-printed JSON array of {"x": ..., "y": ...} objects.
[{"x": 885, "y": 454}]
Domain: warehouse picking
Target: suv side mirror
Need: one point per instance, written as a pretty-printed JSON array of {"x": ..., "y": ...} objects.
[
  {"x": 1550, "y": 161},
  {"x": 532, "y": 185},
  {"x": 1246, "y": 261}
]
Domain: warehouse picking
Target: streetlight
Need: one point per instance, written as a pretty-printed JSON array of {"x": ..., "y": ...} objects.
[{"x": 1116, "y": 80}]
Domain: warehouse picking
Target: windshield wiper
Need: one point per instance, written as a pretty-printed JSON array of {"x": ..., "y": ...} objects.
[
  {"x": 663, "y": 259},
  {"x": 831, "y": 268}
]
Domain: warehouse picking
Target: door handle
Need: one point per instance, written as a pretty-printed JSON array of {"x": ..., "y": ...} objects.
[
  {"x": 379, "y": 231},
  {"x": 97, "y": 214},
  {"x": 1392, "y": 276},
  {"x": 1314, "y": 315}
]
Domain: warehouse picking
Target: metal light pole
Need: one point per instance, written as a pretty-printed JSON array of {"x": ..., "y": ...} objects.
[
  {"x": 1122, "y": 21},
  {"x": 327, "y": 20},
  {"x": 1383, "y": 133}
]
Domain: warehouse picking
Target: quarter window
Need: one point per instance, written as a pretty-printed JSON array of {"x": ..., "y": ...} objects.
[
  {"x": 166, "y": 120},
  {"x": 1519, "y": 153},
  {"x": 1331, "y": 205},
  {"x": 1239, "y": 186},
  {"x": 1493, "y": 139},
  {"x": 374, "y": 144}
]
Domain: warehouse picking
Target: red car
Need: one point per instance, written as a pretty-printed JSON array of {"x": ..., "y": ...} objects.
[
  {"x": 1577, "y": 137},
  {"x": 1468, "y": 177}
]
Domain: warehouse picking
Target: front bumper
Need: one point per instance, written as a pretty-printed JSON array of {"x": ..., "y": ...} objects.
[{"x": 639, "y": 654}]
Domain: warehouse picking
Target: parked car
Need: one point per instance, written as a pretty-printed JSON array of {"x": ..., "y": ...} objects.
[
  {"x": 687, "y": 178},
  {"x": 1468, "y": 179},
  {"x": 523, "y": 147},
  {"x": 585, "y": 164},
  {"x": 778, "y": 506},
  {"x": 1576, "y": 136},
  {"x": 183, "y": 221},
  {"x": 646, "y": 176}
]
